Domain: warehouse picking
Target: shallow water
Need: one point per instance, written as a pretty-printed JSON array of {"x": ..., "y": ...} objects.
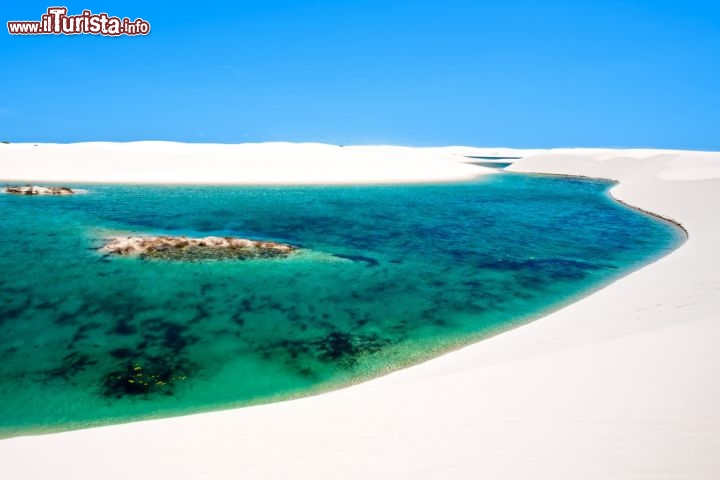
[{"x": 390, "y": 275}]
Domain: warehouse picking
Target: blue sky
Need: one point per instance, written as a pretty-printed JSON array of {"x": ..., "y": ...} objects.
[{"x": 494, "y": 73}]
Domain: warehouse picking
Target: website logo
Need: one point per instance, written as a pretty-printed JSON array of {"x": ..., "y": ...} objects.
[{"x": 57, "y": 22}]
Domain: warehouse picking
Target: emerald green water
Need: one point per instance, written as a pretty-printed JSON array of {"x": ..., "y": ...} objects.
[{"x": 390, "y": 275}]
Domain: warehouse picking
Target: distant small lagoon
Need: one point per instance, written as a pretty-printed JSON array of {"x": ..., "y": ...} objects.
[{"x": 389, "y": 276}]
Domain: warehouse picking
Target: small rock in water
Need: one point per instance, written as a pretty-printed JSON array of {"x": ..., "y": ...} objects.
[
  {"x": 38, "y": 190},
  {"x": 189, "y": 249}
]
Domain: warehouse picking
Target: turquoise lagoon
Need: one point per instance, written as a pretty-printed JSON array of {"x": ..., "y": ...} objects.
[{"x": 389, "y": 276}]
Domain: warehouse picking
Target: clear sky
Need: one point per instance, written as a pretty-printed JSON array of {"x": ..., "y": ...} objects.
[{"x": 488, "y": 73}]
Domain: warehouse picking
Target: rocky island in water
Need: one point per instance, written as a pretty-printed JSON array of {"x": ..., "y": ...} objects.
[
  {"x": 188, "y": 249},
  {"x": 38, "y": 190}
]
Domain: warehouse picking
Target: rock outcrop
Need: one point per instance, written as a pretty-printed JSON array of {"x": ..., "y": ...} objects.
[
  {"x": 38, "y": 190},
  {"x": 190, "y": 249}
]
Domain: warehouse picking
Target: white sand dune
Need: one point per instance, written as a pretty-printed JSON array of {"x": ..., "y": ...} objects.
[
  {"x": 624, "y": 384},
  {"x": 247, "y": 163}
]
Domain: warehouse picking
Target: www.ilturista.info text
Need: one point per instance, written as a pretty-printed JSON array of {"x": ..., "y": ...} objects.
[{"x": 56, "y": 21}]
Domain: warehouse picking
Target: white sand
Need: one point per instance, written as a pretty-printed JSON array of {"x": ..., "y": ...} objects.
[
  {"x": 624, "y": 384},
  {"x": 249, "y": 163}
]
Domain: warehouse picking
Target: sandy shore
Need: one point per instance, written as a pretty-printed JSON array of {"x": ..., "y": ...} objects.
[{"x": 623, "y": 384}]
